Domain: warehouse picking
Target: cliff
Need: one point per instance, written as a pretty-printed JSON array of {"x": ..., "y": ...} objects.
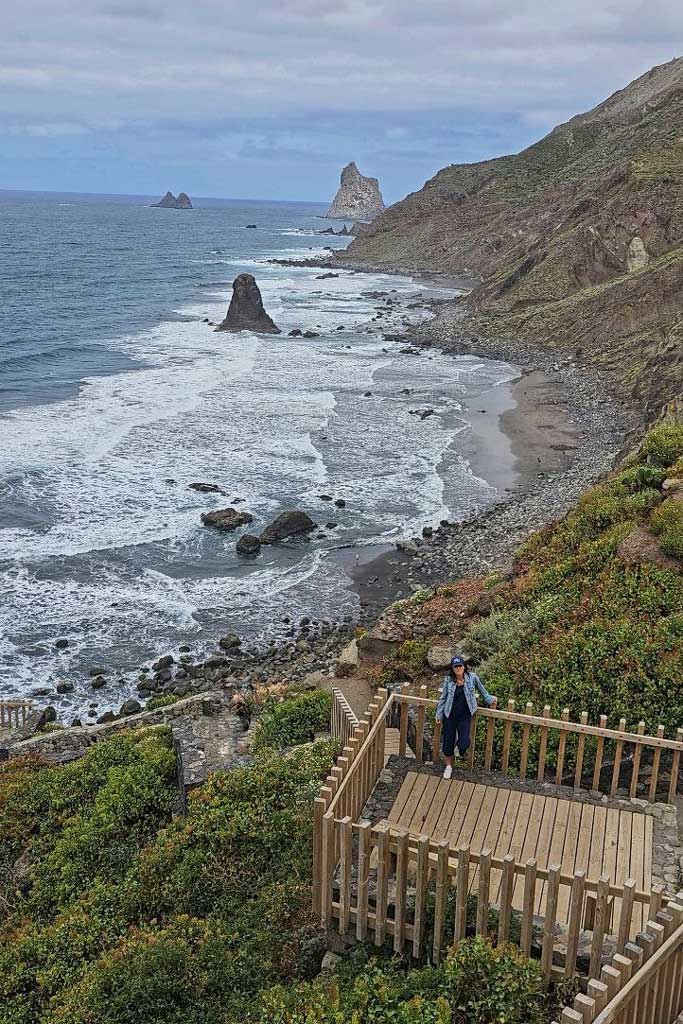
[
  {"x": 577, "y": 240},
  {"x": 358, "y": 197}
]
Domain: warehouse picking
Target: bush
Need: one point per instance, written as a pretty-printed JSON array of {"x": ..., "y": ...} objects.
[
  {"x": 162, "y": 700},
  {"x": 292, "y": 721},
  {"x": 475, "y": 982},
  {"x": 663, "y": 445}
]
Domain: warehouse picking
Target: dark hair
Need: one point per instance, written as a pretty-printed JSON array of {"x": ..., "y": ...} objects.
[{"x": 465, "y": 668}]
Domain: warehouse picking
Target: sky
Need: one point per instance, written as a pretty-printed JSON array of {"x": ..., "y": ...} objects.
[{"x": 270, "y": 98}]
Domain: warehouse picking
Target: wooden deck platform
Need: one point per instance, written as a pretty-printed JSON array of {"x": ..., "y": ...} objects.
[{"x": 599, "y": 839}]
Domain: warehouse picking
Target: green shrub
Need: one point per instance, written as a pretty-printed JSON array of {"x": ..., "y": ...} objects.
[
  {"x": 669, "y": 516},
  {"x": 292, "y": 721},
  {"x": 413, "y": 654},
  {"x": 663, "y": 445},
  {"x": 475, "y": 982},
  {"x": 162, "y": 700}
]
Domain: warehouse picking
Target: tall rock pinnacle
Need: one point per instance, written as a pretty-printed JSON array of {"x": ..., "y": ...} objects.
[
  {"x": 358, "y": 197},
  {"x": 246, "y": 311}
]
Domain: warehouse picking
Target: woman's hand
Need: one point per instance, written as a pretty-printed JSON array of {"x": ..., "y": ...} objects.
[{"x": 494, "y": 702}]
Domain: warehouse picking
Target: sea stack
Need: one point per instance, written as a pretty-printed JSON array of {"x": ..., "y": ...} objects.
[
  {"x": 358, "y": 197},
  {"x": 169, "y": 202},
  {"x": 246, "y": 312}
]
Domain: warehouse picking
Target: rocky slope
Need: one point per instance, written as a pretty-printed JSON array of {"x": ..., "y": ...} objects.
[
  {"x": 577, "y": 240},
  {"x": 358, "y": 197}
]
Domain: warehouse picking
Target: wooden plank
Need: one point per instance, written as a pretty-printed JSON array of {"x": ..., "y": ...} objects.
[
  {"x": 401, "y": 889},
  {"x": 637, "y": 751},
  {"x": 580, "y": 747},
  {"x": 463, "y": 872},
  {"x": 345, "y": 836},
  {"x": 442, "y": 885},
  {"x": 543, "y": 746},
  {"x": 524, "y": 751},
  {"x": 483, "y": 892},
  {"x": 553, "y": 890},
  {"x": 382, "y": 835},
  {"x": 414, "y": 800},
  {"x": 569, "y": 858},
  {"x": 459, "y": 796},
  {"x": 421, "y": 879},
  {"x": 506, "y": 884},
  {"x": 575, "y": 907},
  {"x": 417, "y": 805},
  {"x": 561, "y": 748},
  {"x": 583, "y": 843},
  {"x": 597, "y": 847},
  {"x": 528, "y": 849},
  {"x": 403, "y": 794},
  {"x": 556, "y": 849},
  {"x": 450, "y": 825},
  {"x": 443, "y": 788},
  {"x": 490, "y": 836},
  {"x": 654, "y": 778},
  {"x": 599, "y": 751},
  {"x": 542, "y": 850},
  {"x": 470, "y": 821},
  {"x": 618, "y": 752},
  {"x": 636, "y": 864},
  {"x": 507, "y": 735},
  {"x": 483, "y": 820},
  {"x": 502, "y": 846},
  {"x": 363, "y": 880}
]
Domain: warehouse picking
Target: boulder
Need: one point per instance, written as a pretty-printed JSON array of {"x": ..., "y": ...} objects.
[
  {"x": 226, "y": 518},
  {"x": 640, "y": 547},
  {"x": 248, "y": 544},
  {"x": 439, "y": 656},
  {"x": 131, "y": 707},
  {"x": 65, "y": 687},
  {"x": 379, "y": 642},
  {"x": 289, "y": 524},
  {"x": 358, "y": 197},
  {"x": 230, "y": 642},
  {"x": 349, "y": 656},
  {"x": 246, "y": 311},
  {"x": 204, "y": 488}
]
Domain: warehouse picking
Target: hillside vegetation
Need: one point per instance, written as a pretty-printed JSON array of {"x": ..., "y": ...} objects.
[{"x": 577, "y": 240}]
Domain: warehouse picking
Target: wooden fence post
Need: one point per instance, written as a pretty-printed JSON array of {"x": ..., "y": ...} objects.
[
  {"x": 574, "y": 924},
  {"x": 420, "y": 726},
  {"x": 507, "y": 733},
  {"x": 382, "y": 883},
  {"x": 600, "y": 925},
  {"x": 443, "y": 850},
  {"x": 528, "y": 906},
  {"x": 483, "y": 892},
  {"x": 461, "y": 887},
  {"x": 599, "y": 749},
  {"x": 552, "y": 893},
  {"x": 363, "y": 880},
  {"x": 506, "y": 886},
  {"x": 637, "y": 752},
  {"x": 561, "y": 747},
  {"x": 421, "y": 880},
  {"x": 652, "y": 795},
  {"x": 618, "y": 751},
  {"x": 524, "y": 753},
  {"x": 543, "y": 746},
  {"x": 580, "y": 748}
]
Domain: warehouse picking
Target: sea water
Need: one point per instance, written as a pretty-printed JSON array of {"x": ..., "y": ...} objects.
[{"x": 115, "y": 395}]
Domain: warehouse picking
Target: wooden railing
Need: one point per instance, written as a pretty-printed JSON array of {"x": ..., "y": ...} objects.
[
  {"x": 13, "y": 713},
  {"x": 643, "y": 984},
  {"x": 343, "y": 720},
  {"x": 428, "y": 922},
  {"x": 524, "y": 745},
  {"x": 556, "y": 749}
]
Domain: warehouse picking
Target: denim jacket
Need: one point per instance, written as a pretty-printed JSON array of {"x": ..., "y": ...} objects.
[{"x": 472, "y": 684}]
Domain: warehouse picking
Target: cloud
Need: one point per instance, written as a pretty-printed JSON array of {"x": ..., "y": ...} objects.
[{"x": 288, "y": 77}]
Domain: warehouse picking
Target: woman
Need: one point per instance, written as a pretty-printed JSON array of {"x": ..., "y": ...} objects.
[{"x": 457, "y": 704}]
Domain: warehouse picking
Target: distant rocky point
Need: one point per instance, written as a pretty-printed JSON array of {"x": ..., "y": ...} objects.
[
  {"x": 246, "y": 311},
  {"x": 170, "y": 202},
  {"x": 358, "y": 197}
]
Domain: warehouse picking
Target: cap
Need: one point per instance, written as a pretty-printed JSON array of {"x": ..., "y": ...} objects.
[{"x": 457, "y": 661}]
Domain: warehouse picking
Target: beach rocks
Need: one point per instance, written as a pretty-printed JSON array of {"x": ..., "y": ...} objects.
[
  {"x": 61, "y": 644},
  {"x": 248, "y": 544},
  {"x": 65, "y": 687},
  {"x": 325, "y": 277},
  {"x": 227, "y": 519},
  {"x": 246, "y": 311},
  {"x": 358, "y": 197},
  {"x": 206, "y": 488},
  {"x": 170, "y": 202},
  {"x": 230, "y": 642},
  {"x": 289, "y": 524},
  {"x": 310, "y": 334}
]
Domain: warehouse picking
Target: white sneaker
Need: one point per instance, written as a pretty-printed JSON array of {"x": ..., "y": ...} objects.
[{"x": 447, "y": 772}]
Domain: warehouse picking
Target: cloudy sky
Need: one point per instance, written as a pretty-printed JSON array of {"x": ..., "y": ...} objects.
[{"x": 269, "y": 98}]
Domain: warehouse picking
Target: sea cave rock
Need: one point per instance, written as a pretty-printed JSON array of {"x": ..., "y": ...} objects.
[
  {"x": 288, "y": 524},
  {"x": 246, "y": 311}
]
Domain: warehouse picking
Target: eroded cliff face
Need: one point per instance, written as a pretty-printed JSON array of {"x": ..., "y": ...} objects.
[
  {"x": 577, "y": 240},
  {"x": 358, "y": 197}
]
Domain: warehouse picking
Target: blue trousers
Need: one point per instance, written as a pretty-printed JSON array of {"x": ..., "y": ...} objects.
[{"x": 456, "y": 729}]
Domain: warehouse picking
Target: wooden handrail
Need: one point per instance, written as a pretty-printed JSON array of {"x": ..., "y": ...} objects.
[
  {"x": 14, "y": 712},
  {"x": 641, "y": 978},
  {"x": 560, "y": 724}
]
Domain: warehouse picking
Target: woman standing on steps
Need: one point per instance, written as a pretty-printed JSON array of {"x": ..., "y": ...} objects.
[{"x": 457, "y": 704}]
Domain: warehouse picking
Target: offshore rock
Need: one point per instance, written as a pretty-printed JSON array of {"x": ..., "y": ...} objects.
[
  {"x": 169, "y": 202},
  {"x": 226, "y": 518},
  {"x": 246, "y": 311},
  {"x": 248, "y": 544},
  {"x": 358, "y": 197},
  {"x": 288, "y": 524}
]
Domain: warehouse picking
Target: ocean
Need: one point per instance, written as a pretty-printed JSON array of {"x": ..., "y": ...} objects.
[{"x": 115, "y": 395}]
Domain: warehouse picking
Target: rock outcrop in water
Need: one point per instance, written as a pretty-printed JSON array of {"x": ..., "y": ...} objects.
[
  {"x": 288, "y": 524},
  {"x": 358, "y": 197},
  {"x": 170, "y": 202},
  {"x": 246, "y": 311}
]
